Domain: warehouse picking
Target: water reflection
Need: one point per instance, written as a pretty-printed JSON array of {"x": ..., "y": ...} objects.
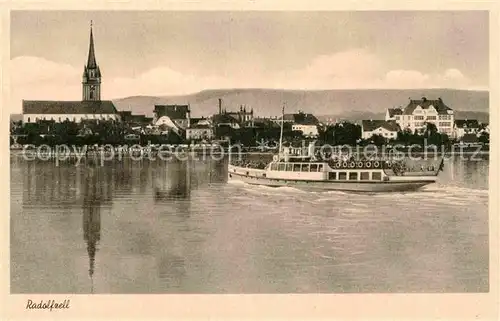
[
  {"x": 174, "y": 227},
  {"x": 172, "y": 181},
  {"x": 97, "y": 192},
  {"x": 91, "y": 227}
]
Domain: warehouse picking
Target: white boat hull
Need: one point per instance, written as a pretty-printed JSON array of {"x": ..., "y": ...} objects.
[{"x": 397, "y": 185}]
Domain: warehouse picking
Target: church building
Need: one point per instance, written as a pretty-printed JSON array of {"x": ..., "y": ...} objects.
[{"x": 90, "y": 107}]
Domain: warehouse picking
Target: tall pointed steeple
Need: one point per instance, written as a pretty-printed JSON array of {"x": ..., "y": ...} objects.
[
  {"x": 91, "y": 63},
  {"x": 91, "y": 79}
]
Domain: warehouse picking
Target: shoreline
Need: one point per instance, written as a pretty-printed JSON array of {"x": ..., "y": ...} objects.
[{"x": 128, "y": 154}]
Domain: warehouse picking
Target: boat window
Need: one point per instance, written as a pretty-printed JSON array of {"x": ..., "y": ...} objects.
[
  {"x": 376, "y": 176},
  {"x": 342, "y": 176},
  {"x": 365, "y": 176},
  {"x": 305, "y": 167},
  {"x": 314, "y": 167},
  {"x": 320, "y": 167},
  {"x": 274, "y": 167},
  {"x": 282, "y": 167},
  {"x": 289, "y": 167},
  {"x": 353, "y": 176},
  {"x": 332, "y": 175},
  {"x": 296, "y": 167}
]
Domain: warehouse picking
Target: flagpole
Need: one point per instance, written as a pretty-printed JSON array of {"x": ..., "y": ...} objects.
[{"x": 281, "y": 131}]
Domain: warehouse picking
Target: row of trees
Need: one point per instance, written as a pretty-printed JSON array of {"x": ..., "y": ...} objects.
[
  {"x": 340, "y": 134},
  {"x": 119, "y": 133},
  {"x": 85, "y": 133}
]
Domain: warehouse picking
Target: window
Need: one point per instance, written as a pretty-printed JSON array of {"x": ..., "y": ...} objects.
[
  {"x": 365, "y": 176},
  {"x": 332, "y": 176},
  {"x": 342, "y": 176},
  {"x": 419, "y": 118},
  {"x": 282, "y": 167},
  {"x": 296, "y": 167},
  {"x": 431, "y": 117},
  {"x": 29, "y": 119},
  {"x": 314, "y": 167},
  {"x": 397, "y": 117},
  {"x": 289, "y": 167},
  {"x": 353, "y": 176},
  {"x": 320, "y": 167},
  {"x": 376, "y": 176},
  {"x": 305, "y": 167},
  {"x": 274, "y": 167}
]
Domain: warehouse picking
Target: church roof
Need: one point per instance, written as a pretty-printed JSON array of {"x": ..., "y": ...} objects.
[{"x": 68, "y": 107}]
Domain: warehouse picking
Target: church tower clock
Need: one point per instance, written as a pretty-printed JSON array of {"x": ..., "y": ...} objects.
[{"x": 91, "y": 79}]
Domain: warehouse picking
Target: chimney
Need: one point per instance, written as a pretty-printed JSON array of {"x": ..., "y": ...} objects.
[{"x": 220, "y": 106}]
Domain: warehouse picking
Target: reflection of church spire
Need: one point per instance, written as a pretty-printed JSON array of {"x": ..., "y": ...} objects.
[{"x": 91, "y": 220}]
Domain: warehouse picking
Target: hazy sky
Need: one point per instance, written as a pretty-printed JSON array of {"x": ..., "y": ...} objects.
[{"x": 155, "y": 53}]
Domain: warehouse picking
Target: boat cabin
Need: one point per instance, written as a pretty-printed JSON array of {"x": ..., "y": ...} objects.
[
  {"x": 321, "y": 171},
  {"x": 296, "y": 167}
]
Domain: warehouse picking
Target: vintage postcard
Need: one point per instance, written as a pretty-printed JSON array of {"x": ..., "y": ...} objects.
[{"x": 259, "y": 160}]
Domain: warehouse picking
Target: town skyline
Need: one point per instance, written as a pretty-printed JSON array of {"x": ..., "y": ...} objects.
[{"x": 195, "y": 51}]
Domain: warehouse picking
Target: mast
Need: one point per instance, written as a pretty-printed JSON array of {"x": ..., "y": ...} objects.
[{"x": 281, "y": 130}]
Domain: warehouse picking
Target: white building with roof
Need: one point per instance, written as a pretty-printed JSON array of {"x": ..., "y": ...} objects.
[
  {"x": 419, "y": 112},
  {"x": 387, "y": 129},
  {"x": 465, "y": 126}
]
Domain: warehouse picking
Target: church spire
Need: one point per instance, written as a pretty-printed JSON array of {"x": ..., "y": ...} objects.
[
  {"x": 91, "y": 63},
  {"x": 91, "y": 79}
]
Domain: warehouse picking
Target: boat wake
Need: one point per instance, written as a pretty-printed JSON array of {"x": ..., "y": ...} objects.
[{"x": 434, "y": 194}]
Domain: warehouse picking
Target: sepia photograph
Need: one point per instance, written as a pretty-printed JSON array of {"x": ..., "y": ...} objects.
[{"x": 248, "y": 152}]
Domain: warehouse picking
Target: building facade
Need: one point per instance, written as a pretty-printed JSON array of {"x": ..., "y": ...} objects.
[
  {"x": 179, "y": 115},
  {"x": 199, "y": 132},
  {"x": 303, "y": 122},
  {"x": 91, "y": 107},
  {"x": 306, "y": 130},
  {"x": 465, "y": 126},
  {"x": 387, "y": 129},
  {"x": 417, "y": 113}
]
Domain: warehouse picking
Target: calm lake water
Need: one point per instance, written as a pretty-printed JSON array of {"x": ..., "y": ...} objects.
[{"x": 178, "y": 227}]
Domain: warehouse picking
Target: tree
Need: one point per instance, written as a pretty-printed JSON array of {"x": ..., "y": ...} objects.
[
  {"x": 378, "y": 140},
  {"x": 484, "y": 138},
  {"x": 430, "y": 129}
]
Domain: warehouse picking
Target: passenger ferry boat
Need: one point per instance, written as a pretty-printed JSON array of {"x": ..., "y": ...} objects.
[{"x": 307, "y": 172}]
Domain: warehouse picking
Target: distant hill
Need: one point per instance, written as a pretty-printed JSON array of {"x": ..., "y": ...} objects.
[
  {"x": 348, "y": 104},
  {"x": 482, "y": 117},
  {"x": 16, "y": 117}
]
